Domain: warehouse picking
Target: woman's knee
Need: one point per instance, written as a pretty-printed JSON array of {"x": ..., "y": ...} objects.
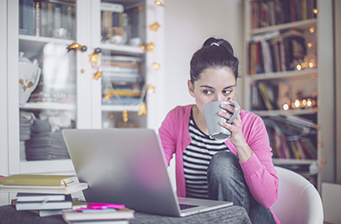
[{"x": 224, "y": 163}]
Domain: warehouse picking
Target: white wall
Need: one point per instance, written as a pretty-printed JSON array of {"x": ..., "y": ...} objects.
[{"x": 188, "y": 24}]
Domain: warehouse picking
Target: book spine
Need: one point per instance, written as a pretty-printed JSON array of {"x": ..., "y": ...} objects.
[{"x": 37, "y": 18}]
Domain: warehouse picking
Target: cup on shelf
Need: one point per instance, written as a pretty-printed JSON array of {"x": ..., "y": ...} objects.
[
  {"x": 61, "y": 33},
  {"x": 136, "y": 41}
]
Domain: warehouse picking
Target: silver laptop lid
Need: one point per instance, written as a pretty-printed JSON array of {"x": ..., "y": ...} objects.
[{"x": 123, "y": 166}]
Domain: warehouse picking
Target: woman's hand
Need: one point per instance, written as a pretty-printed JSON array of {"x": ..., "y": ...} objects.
[{"x": 237, "y": 138}]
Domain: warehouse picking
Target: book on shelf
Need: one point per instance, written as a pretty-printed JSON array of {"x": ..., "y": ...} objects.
[
  {"x": 288, "y": 142},
  {"x": 41, "y": 17},
  {"x": 38, "y": 180},
  {"x": 98, "y": 214},
  {"x": 44, "y": 205},
  {"x": 71, "y": 188},
  {"x": 276, "y": 52}
]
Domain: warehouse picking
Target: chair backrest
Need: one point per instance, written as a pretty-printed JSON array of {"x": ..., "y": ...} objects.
[{"x": 298, "y": 201}]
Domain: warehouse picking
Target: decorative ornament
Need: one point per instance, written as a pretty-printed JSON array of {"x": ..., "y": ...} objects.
[
  {"x": 150, "y": 89},
  {"x": 125, "y": 115},
  {"x": 142, "y": 109},
  {"x": 82, "y": 70},
  {"x": 93, "y": 58},
  {"x": 158, "y": 3},
  {"x": 96, "y": 63},
  {"x": 76, "y": 46},
  {"x": 148, "y": 46},
  {"x": 155, "y": 26},
  {"x": 98, "y": 75},
  {"x": 156, "y": 66}
]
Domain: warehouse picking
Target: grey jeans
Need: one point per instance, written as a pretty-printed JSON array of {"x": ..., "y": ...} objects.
[{"x": 226, "y": 183}]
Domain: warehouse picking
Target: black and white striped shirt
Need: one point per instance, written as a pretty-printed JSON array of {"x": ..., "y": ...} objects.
[{"x": 196, "y": 159}]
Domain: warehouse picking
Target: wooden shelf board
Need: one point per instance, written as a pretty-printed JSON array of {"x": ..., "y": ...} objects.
[
  {"x": 293, "y": 161},
  {"x": 284, "y": 112},
  {"x": 280, "y": 75},
  {"x": 294, "y": 25},
  {"x": 120, "y": 108},
  {"x": 48, "y": 105}
]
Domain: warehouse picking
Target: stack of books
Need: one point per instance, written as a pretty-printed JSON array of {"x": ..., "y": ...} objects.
[
  {"x": 43, "y": 194},
  {"x": 122, "y": 82}
]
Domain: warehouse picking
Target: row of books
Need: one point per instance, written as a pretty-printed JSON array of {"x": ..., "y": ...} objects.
[
  {"x": 122, "y": 82},
  {"x": 48, "y": 195},
  {"x": 277, "y": 52},
  {"x": 114, "y": 21},
  {"x": 269, "y": 96},
  {"x": 292, "y": 137},
  {"x": 42, "y": 17},
  {"x": 266, "y": 13}
]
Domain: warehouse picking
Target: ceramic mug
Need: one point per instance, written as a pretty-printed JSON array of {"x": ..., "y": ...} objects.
[{"x": 215, "y": 130}]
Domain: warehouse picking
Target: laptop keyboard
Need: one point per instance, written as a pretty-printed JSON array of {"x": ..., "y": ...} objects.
[{"x": 186, "y": 206}]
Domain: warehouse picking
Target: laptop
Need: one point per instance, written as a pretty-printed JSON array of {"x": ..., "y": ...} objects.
[{"x": 128, "y": 166}]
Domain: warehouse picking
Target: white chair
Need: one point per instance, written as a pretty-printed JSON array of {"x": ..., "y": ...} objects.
[{"x": 298, "y": 201}]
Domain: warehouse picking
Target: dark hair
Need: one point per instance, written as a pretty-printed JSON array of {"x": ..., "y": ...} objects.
[{"x": 214, "y": 53}]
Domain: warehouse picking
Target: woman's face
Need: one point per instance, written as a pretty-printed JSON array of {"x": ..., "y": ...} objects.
[{"x": 215, "y": 84}]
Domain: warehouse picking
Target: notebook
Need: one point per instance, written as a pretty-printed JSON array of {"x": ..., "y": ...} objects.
[{"x": 128, "y": 166}]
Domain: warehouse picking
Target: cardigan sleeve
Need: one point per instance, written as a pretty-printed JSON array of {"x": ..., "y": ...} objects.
[
  {"x": 259, "y": 171},
  {"x": 166, "y": 136}
]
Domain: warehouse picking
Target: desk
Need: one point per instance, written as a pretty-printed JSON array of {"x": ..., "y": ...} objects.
[{"x": 231, "y": 215}]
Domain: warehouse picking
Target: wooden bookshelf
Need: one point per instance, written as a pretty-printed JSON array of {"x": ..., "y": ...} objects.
[{"x": 315, "y": 80}]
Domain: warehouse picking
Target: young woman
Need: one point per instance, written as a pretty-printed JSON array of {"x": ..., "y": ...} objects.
[{"x": 238, "y": 170}]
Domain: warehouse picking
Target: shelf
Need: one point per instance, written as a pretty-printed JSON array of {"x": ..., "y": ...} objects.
[
  {"x": 33, "y": 45},
  {"x": 119, "y": 108},
  {"x": 263, "y": 113},
  {"x": 47, "y": 166},
  {"x": 125, "y": 49},
  {"x": 48, "y": 106},
  {"x": 297, "y": 25},
  {"x": 293, "y": 161},
  {"x": 280, "y": 75}
]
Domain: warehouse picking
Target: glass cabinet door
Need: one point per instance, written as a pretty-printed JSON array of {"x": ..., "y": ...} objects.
[
  {"x": 120, "y": 94},
  {"x": 46, "y": 78}
]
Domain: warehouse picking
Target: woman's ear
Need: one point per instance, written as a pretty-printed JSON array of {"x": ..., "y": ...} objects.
[{"x": 190, "y": 88}]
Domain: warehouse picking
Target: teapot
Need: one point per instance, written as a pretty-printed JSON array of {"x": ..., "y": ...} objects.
[{"x": 29, "y": 74}]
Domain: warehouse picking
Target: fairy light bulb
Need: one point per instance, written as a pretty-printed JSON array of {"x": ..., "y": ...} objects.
[
  {"x": 312, "y": 29},
  {"x": 158, "y": 3},
  {"x": 285, "y": 107},
  {"x": 297, "y": 103},
  {"x": 156, "y": 66}
]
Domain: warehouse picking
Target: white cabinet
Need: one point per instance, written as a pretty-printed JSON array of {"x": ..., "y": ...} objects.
[
  {"x": 308, "y": 79},
  {"x": 79, "y": 99}
]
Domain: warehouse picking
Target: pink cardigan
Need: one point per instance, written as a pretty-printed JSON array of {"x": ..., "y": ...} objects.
[{"x": 259, "y": 171}]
